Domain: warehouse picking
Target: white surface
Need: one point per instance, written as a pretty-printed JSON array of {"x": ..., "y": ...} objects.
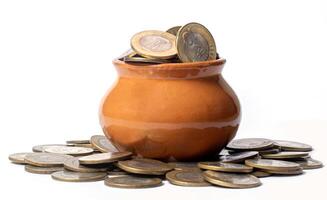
[{"x": 55, "y": 66}]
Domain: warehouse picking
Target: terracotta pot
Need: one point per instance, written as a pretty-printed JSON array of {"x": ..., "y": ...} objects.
[{"x": 174, "y": 111}]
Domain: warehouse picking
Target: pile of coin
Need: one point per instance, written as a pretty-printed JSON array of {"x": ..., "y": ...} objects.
[
  {"x": 189, "y": 43},
  {"x": 239, "y": 165}
]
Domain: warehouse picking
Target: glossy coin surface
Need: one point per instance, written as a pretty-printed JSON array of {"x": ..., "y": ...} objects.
[
  {"x": 310, "y": 163},
  {"x": 102, "y": 158},
  {"x": 195, "y": 43},
  {"x": 269, "y": 164},
  {"x": 292, "y": 146},
  {"x": 77, "y": 176},
  {"x": 73, "y": 164},
  {"x": 250, "y": 144},
  {"x": 145, "y": 166},
  {"x": 129, "y": 181},
  {"x": 238, "y": 157},
  {"x": 42, "y": 170},
  {"x": 103, "y": 144},
  {"x": 154, "y": 44},
  {"x": 41, "y": 148},
  {"x": 18, "y": 158},
  {"x": 225, "y": 167},
  {"x": 74, "y": 151},
  {"x": 231, "y": 180},
  {"x": 174, "y": 30},
  {"x": 285, "y": 154},
  {"x": 186, "y": 178},
  {"x": 46, "y": 159}
]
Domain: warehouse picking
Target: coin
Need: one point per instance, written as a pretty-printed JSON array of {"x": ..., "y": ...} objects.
[
  {"x": 288, "y": 172},
  {"x": 250, "y": 144},
  {"x": 46, "y": 159},
  {"x": 231, "y": 180},
  {"x": 184, "y": 165},
  {"x": 310, "y": 163},
  {"x": 225, "y": 167},
  {"x": 117, "y": 173},
  {"x": 137, "y": 59},
  {"x": 292, "y": 146},
  {"x": 238, "y": 157},
  {"x": 74, "y": 151},
  {"x": 145, "y": 166},
  {"x": 260, "y": 174},
  {"x": 129, "y": 181},
  {"x": 42, "y": 170},
  {"x": 268, "y": 164},
  {"x": 154, "y": 44},
  {"x": 41, "y": 148},
  {"x": 195, "y": 43},
  {"x": 186, "y": 178},
  {"x": 102, "y": 158},
  {"x": 73, "y": 164},
  {"x": 174, "y": 30},
  {"x": 269, "y": 151},
  {"x": 224, "y": 152},
  {"x": 77, "y": 176},
  {"x": 78, "y": 141},
  {"x": 84, "y": 145},
  {"x": 18, "y": 158},
  {"x": 102, "y": 144},
  {"x": 285, "y": 154}
]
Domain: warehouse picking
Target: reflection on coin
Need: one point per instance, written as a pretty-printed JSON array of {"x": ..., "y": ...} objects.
[
  {"x": 238, "y": 157},
  {"x": 74, "y": 165},
  {"x": 285, "y": 154},
  {"x": 137, "y": 59},
  {"x": 292, "y": 146},
  {"x": 42, "y": 170},
  {"x": 224, "y": 152},
  {"x": 101, "y": 158},
  {"x": 77, "y": 176},
  {"x": 231, "y": 180},
  {"x": 250, "y": 144},
  {"x": 154, "y": 44},
  {"x": 74, "y": 151},
  {"x": 78, "y": 141},
  {"x": 225, "y": 167},
  {"x": 102, "y": 144},
  {"x": 41, "y": 148},
  {"x": 174, "y": 30},
  {"x": 184, "y": 165},
  {"x": 268, "y": 164},
  {"x": 260, "y": 174},
  {"x": 18, "y": 158},
  {"x": 310, "y": 163},
  {"x": 129, "y": 181},
  {"x": 46, "y": 159},
  {"x": 145, "y": 166},
  {"x": 195, "y": 43},
  {"x": 288, "y": 172},
  {"x": 186, "y": 178}
]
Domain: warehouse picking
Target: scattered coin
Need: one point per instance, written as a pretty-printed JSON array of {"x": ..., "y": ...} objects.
[
  {"x": 41, "y": 148},
  {"x": 78, "y": 141},
  {"x": 73, "y": 151},
  {"x": 103, "y": 144},
  {"x": 310, "y": 163},
  {"x": 144, "y": 166},
  {"x": 184, "y": 165},
  {"x": 46, "y": 159},
  {"x": 73, "y": 164},
  {"x": 288, "y": 172},
  {"x": 285, "y": 155},
  {"x": 260, "y": 174},
  {"x": 18, "y": 158},
  {"x": 77, "y": 176},
  {"x": 225, "y": 167},
  {"x": 238, "y": 157},
  {"x": 129, "y": 181},
  {"x": 268, "y": 164},
  {"x": 186, "y": 178},
  {"x": 250, "y": 144},
  {"x": 231, "y": 180},
  {"x": 195, "y": 43},
  {"x": 102, "y": 158},
  {"x": 174, "y": 30},
  {"x": 292, "y": 146},
  {"x": 154, "y": 44},
  {"x": 42, "y": 170}
]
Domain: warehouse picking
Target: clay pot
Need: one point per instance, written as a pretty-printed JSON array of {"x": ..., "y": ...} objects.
[{"x": 173, "y": 111}]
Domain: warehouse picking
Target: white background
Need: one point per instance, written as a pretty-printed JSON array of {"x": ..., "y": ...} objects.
[{"x": 55, "y": 66}]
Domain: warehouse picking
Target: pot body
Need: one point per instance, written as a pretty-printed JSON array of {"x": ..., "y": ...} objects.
[{"x": 170, "y": 111}]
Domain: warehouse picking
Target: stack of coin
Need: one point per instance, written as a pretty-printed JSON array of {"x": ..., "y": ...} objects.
[
  {"x": 239, "y": 165},
  {"x": 189, "y": 43}
]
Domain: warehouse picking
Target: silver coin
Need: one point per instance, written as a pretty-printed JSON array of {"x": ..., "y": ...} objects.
[
  {"x": 74, "y": 151},
  {"x": 77, "y": 176}
]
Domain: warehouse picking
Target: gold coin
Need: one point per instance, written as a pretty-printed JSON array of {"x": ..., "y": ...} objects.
[
  {"x": 144, "y": 166},
  {"x": 285, "y": 154},
  {"x": 186, "y": 178},
  {"x": 238, "y": 157},
  {"x": 46, "y": 159},
  {"x": 184, "y": 165},
  {"x": 102, "y": 158},
  {"x": 174, "y": 30},
  {"x": 231, "y": 180},
  {"x": 288, "y": 172},
  {"x": 195, "y": 43},
  {"x": 268, "y": 164},
  {"x": 154, "y": 44},
  {"x": 310, "y": 163},
  {"x": 250, "y": 144},
  {"x": 18, "y": 158},
  {"x": 129, "y": 181},
  {"x": 102, "y": 144},
  {"x": 42, "y": 170},
  {"x": 41, "y": 148},
  {"x": 225, "y": 167},
  {"x": 260, "y": 174},
  {"x": 78, "y": 141},
  {"x": 70, "y": 176},
  {"x": 73, "y": 164},
  {"x": 137, "y": 59},
  {"x": 73, "y": 151},
  {"x": 292, "y": 146}
]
